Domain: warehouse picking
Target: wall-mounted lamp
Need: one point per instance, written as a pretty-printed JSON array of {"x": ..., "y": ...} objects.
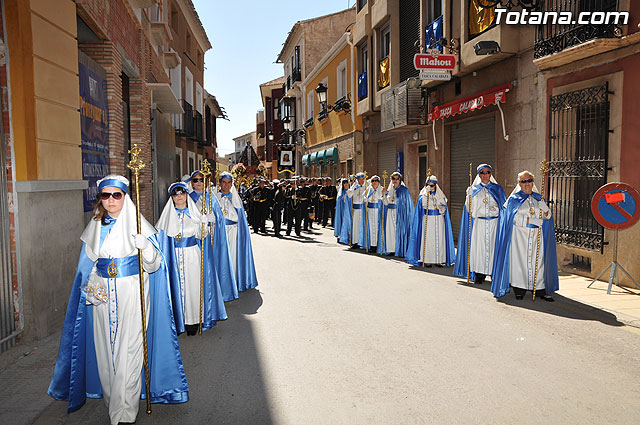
[
  {"x": 486, "y": 48},
  {"x": 321, "y": 92},
  {"x": 270, "y": 136}
]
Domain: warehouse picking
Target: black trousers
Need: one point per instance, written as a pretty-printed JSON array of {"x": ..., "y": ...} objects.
[
  {"x": 304, "y": 214},
  {"x": 294, "y": 219},
  {"x": 276, "y": 218},
  {"x": 328, "y": 210},
  {"x": 261, "y": 211},
  {"x": 519, "y": 292}
]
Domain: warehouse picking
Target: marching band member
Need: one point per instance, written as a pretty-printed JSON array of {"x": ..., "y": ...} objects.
[
  {"x": 517, "y": 244},
  {"x": 101, "y": 348},
  {"x": 238, "y": 233},
  {"x": 398, "y": 213},
  {"x": 439, "y": 248},
  {"x": 220, "y": 257},
  {"x": 356, "y": 193},
  {"x": 372, "y": 225},
  {"x": 328, "y": 194},
  {"x": 180, "y": 238},
  {"x": 487, "y": 202},
  {"x": 342, "y": 221}
]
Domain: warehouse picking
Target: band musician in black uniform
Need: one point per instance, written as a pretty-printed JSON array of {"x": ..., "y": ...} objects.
[
  {"x": 278, "y": 204},
  {"x": 303, "y": 195},
  {"x": 294, "y": 208},
  {"x": 260, "y": 197},
  {"x": 328, "y": 193}
]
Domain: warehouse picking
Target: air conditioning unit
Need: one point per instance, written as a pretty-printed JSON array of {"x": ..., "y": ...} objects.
[{"x": 402, "y": 108}]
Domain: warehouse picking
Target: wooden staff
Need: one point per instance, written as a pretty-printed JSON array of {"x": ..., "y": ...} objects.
[
  {"x": 136, "y": 165},
  {"x": 366, "y": 216},
  {"x": 384, "y": 185},
  {"x": 351, "y": 233},
  {"x": 469, "y": 223},
  {"x": 544, "y": 168},
  {"x": 426, "y": 219},
  {"x": 206, "y": 172}
]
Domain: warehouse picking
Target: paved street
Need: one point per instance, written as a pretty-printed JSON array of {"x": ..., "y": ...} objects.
[{"x": 340, "y": 337}]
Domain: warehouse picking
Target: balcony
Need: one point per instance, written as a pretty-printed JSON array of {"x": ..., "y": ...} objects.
[
  {"x": 558, "y": 44},
  {"x": 308, "y": 123},
  {"x": 187, "y": 123},
  {"x": 170, "y": 59},
  {"x": 296, "y": 75},
  {"x": 143, "y": 3},
  {"x": 199, "y": 133},
  {"x": 160, "y": 33}
]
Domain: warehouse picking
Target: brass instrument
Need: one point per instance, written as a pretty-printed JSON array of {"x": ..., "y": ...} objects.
[
  {"x": 136, "y": 165},
  {"x": 469, "y": 223},
  {"x": 206, "y": 174},
  {"x": 426, "y": 219},
  {"x": 544, "y": 168}
]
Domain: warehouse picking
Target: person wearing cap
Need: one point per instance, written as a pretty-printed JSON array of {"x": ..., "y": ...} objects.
[
  {"x": 292, "y": 214},
  {"x": 101, "y": 351},
  {"x": 342, "y": 221},
  {"x": 487, "y": 201},
  {"x": 180, "y": 238},
  {"x": 260, "y": 197},
  {"x": 278, "y": 205},
  {"x": 525, "y": 218},
  {"x": 372, "y": 217},
  {"x": 238, "y": 234},
  {"x": 356, "y": 193},
  {"x": 221, "y": 260},
  {"x": 437, "y": 248},
  {"x": 398, "y": 213},
  {"x": 328, "y": 193},
  {"x": 314, "y": 201},
  {"x": 303, "y": 196}
]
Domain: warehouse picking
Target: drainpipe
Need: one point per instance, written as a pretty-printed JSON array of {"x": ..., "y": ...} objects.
[{"x": 352, "y": 73}]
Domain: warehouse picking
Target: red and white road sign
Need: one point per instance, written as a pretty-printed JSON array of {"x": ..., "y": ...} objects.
[
  {"x": 616, "y": 206},
  {"x": 426, "y": 62}
]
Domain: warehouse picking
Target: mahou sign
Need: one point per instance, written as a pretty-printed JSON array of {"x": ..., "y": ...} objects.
[{"x": 427, "y": 62}]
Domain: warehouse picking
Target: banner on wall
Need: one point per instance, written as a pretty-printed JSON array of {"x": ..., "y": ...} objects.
[{"x": 94, "y": 131}]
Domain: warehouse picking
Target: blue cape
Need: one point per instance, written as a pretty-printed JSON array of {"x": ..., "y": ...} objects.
[
  {"x": 500, "y": 281},
  {"x": 404, "y": 214},
  {"x": 344, "y": 205},
  {"x": 460, "y": 269},
  {"x": 246, "y": 276},
  {"x": 220, "y": 257},
  {"x": 76, "y": 372},
  {"x": 213, "y": 303},
  {"x": 364, "y": 237},
  {"x": 413, "y": 255}
]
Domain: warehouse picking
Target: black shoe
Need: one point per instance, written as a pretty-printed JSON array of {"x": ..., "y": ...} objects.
[
  {"x": 519, "y": 297},
  {"x": 548, "y": 298},
  {"x": 288, "y": 233},
  {"x": 191, "y": 329},
  {"x": 298, "y": 235},
  {"x": 439, "y": 265},
  {"x": 355, "y": 246},
  {"x": 428, "y": 266}
]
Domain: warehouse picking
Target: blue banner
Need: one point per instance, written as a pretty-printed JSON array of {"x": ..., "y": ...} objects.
[{"x": 94, "y": 125}]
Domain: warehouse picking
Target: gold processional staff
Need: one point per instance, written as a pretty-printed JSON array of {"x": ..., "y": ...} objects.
[
  {"x": 469, "y": 222},
  {"x": 136, "y": 165},
  {"x": 426, "y": 218},
  {"x": 544, "y": 168},
  {"x": 206, "y": 173}
]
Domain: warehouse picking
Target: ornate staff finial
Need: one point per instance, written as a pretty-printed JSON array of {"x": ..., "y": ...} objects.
[
  {"x": 135, "y": 164},
  {"x": 544, "y": 166},
  {"x": 206, "y": 168}
]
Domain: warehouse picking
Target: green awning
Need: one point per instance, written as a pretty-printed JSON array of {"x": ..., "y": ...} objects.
[
  {"x": 306, "y": 160},
  {"x": 321, "y": 159},
  {"x": 314, "y": 158},
  {"x": 331, "y": 156}
]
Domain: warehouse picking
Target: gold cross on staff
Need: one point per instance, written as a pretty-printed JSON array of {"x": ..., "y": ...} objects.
[{"x": 135, "y": 164}]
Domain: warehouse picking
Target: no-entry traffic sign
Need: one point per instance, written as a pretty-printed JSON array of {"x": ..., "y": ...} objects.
[{"x": 616, "y": 206}]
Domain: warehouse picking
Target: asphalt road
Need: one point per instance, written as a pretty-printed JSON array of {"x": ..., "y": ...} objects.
[{"x": 334, "y": 336}]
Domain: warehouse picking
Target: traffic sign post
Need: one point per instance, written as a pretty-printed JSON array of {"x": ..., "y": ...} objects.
[{"x": 616, "y": 206}]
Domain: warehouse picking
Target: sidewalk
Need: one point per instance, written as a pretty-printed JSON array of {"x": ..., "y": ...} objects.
[{"x": 623, "y": 302}]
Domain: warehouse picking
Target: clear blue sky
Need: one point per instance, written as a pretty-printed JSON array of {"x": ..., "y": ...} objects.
[{"x": 246, "y": 37}]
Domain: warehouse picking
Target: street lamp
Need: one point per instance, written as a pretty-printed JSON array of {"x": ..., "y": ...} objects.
[
  {"x": 321, "y": 92},
  {"x": 270, "y": 136}
]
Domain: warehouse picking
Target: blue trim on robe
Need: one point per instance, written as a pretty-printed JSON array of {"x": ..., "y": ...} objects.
[
  {"x": 221, "y": 255},
  {"x": 500, "y": 281},
  {"x": 404, "y": 214},
  {"x": 344, "y": 203},
  {"x": 213, "y": 304},
  {"x": 496, "y": 191},
  {"x": 364, "y": 239},
  {"x": 75, "y": 376},
  {"x": 246, "y": 277},
  {"x": 414, "y": 255}
]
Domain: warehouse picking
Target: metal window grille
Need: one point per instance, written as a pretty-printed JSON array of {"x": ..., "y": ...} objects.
[
  {"x": 578, "y": 146},
  {"x": 552, "y": 38}
]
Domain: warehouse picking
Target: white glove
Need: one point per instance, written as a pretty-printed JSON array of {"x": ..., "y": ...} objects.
[
  {"x": 211, "y": 218},
  {"x": 204, "y": 219},
  {"x": 140, "y": 241}
]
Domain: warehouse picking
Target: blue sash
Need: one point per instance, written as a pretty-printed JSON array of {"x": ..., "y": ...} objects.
[
  {"x": 229, "y": 222},
  {"x": 357, "y": 206},
  {"x": 392, "y": 206},
  {"x": 532, "y": 226},
  {"x": 186, "y": 242},
  {"x": 434, "y": 212},
  {"x": 486, "y": 218},
  {"x": 127, "y": 266},
  {"x": 372, "y": 205}
]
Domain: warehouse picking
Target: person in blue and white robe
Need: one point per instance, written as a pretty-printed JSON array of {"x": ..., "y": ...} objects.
[
  {"x": 487, "y": 201},
  {"x": 342, "y": 219},
  {"x": 180, "y": 237},
  {"x": 238, "y": 234},
  {"x": 437, "y": 248},
  {"x": 101, "y": 351},
  {"x": 398, "y": 213},
  {"x": 356, "y": 194},
  {"x": 220, "y": 255},
  {"x": 372, "y": 218},
  {"x": 526, "y": 219}
]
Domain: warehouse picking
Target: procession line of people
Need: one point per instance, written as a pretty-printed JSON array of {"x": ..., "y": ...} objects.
[{"x": 195, "y": 259}]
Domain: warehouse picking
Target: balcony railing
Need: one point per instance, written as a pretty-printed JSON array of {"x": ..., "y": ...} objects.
[
  {"x": 187, "y": 126},
  {"x": 554, "y": 37},
  {"x": 199, "y": 133},
  {"x": 296, "y": 75}
]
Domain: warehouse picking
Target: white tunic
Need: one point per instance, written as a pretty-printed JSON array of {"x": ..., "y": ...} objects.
[
  {"x": 524, "y": 245},
  {"x": 484, "y": 210},
  {"x": 117, "y": 334},
  {"x": 189, "y": 269},
  {"x": 391, "y": 221},
  {"x": 356, "y": 192},
  {"x": 436, "y": 246},
  {"x": 231, "y": 226},
  {"x": 373, "y": 196}
]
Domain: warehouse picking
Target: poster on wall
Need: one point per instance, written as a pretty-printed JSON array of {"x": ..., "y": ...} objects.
[
  {"x": 287, "y": 159},
  {"x": 94, "y": 131}
]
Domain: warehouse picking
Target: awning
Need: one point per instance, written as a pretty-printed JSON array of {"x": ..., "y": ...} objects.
[
  {"x": 331, "y": 155},
  {"x": 494, "y": 96},
  {"x": 314, "y": 158},
  {"x": 306, "y": 160},
  {"x": 321, "y": 159}
]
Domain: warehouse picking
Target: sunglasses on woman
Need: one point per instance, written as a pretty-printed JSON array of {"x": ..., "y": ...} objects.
[
  {"x": 106, "y": 195},
  {"x": 526, "y": 181},
  {"x": 485, "y": 172},
  {"x": 197, "y": 180},
  {"x": 432, "y": 185},
  {"x": 395, "y": 178},
  {"x": 178, "y": 192}
]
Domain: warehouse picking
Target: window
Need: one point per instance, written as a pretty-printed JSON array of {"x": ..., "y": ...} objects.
[
  {"x": 384, "y": 75},
  {"x": 188, "y": 86},
  {"x": 310, "y": 99},
  {"x": 341, "y": 78},
  {"x": 296, "y": 71},
  {"x": 199, "y": 162},
  {"x": 361, "y": 4},
  {"x": 363, "y": 66},
  {"x": 385, "y": 42},
  {"x": 191, "y": 162},
  {"x": 435, "y": 9},
  {"x": 178, "y": 168}
]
